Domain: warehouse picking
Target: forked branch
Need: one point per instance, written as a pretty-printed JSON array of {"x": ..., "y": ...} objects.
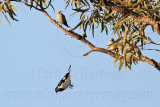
[
  {"x": 136, "y": 16},
  {"x": 94, "y": 48}
]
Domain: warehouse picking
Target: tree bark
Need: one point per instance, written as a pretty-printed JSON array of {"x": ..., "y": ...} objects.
[
  {"x": 89, "y": 44},
  {"x": 136, "y": 16}
]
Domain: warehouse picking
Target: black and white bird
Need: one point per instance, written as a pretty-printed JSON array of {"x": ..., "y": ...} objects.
[
  {"x": 62, "y": 19},
  {"x": 110, "y": 46},
  {"x": 65, "y": 82}
]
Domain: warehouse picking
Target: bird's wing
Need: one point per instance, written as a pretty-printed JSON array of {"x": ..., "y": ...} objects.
[
  {"x": 63, "y": 80},
  {"x": 64, "y": 20}
]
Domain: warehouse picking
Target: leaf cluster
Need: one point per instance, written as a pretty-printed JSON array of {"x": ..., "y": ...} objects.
[
  {"x": 130, "y": 32},
  {"x": 38, "y": 3},
  {"x": 6, "y": 8}
]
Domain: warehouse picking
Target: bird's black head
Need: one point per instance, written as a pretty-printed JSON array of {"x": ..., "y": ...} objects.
[
  {"x": 111, "y": 39},
  {"x": 59, "y": 12},
  {"x": 56, "y": 90}
]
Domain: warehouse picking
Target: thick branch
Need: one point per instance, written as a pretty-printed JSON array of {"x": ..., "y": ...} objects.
[
  {"x": 70, "y": 33},
  {"x": 134, "y": 15},
  {"x": 93, "y": 48},
  {"x": 102, "y": 50},
  {"x": 97, "y": 49},
  {"x": 143, "y": 58},
  {"x": 151, "y": 62}
]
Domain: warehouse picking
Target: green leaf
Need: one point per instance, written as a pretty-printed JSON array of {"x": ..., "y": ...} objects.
[
  {"x": 93, "y": 30},
  {"x": 106, "y": 29},
  {"x": 115, "y": 60},
  {"x": 77, "y": 3},
  {"x": 85, "y": 26},
  {"x": 102, "y": 26},
  {"x": 93, "y": 21},
  {"x": 14, "y": 8},
  {"x": 78, "y": 25},
  {"x": 68, "y": 2},
  {"x": 36, "y": 3},
  {"x": 158, "y": 4},
  {"x": 113, "y": 12},
  {"x": 1, "y": 6},
  {"x": 87, "y": 3},
  {"x": 81, "y": 10},
  {"x": 126, "y": 66},
  {"x": 45, "y": 3},
  {"x": 5, "y": 9},
  {"x": 31, "y": 3},
  {"x": 83, "y": 16},
  {"x": 142, "y": 42},
  {"x": 121, "y": 63},
  {"x": 120, "y": 22},
  {"x": 149, "y": 39},
  {"x": 6, "y": 17},
  {"x": 155, "y": 10},
  {"x": 125, "y": 35},
  {"x": 73, "y": 2}
]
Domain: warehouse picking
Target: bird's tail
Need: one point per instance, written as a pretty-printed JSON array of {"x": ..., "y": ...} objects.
[
  {"x": 69, "y": 69},
  {"x": 69, "y": 28}
]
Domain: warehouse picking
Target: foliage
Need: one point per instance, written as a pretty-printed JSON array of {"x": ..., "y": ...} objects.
[
  {"x": 8, "y": 8},
  {"x": 38, "y": 3},
  {"x": 129, "y": 32}
]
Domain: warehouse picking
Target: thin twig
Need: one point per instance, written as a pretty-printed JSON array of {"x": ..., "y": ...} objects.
[
  {"x": 155, "y": 43},
  {"x": 152, "y": 49},
  {"x": 88, "y": 52},
  {"x": 31, "y": 5}
]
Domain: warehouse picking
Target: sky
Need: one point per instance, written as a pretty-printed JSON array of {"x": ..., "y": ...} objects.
[{"x": 35, "y": 55}]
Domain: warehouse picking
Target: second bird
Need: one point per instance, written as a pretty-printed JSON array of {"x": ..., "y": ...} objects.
[{"x": 110, "y": 46}]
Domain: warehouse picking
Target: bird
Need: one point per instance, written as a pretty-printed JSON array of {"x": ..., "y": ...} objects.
[
  {"x": 62, "y": 19},
  {"x": 110, "y": 46},
  {"x": 65, "y": 82}
]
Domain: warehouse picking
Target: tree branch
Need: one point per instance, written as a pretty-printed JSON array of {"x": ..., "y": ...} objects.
[
  {"x": 152, "y": 49},
  {"x": 97, "y": 49},
  {"x": 139, "y": 18},
  {"x": 31, "y": 5},
  {"x": 70, "y": 33},
  {"x": 88, "y": 52},
  {"x": 89, "y": 44}
]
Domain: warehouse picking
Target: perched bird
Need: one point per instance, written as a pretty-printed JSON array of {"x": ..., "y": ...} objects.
[
  {"x": 65, "y": 82},
  {"x": 62, "y": 19},
  {"x": 110, "y": 46}
]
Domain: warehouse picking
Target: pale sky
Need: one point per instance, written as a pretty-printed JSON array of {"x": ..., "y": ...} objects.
[{"x": 35, "y": 55}]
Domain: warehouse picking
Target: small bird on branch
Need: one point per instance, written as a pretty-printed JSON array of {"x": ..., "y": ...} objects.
[
  {"x": 110, "y": 46},
  {"x": 62, "y": 19}
]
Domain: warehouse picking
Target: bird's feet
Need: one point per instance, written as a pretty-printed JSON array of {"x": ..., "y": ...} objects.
[
  {"x": 84, "y": 35},
  {"x": 71, "y": 86}
]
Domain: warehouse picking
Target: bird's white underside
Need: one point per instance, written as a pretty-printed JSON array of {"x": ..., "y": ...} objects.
[
  {"x": 66, "y": 84},
  {"x": 60, "y": 18}
]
